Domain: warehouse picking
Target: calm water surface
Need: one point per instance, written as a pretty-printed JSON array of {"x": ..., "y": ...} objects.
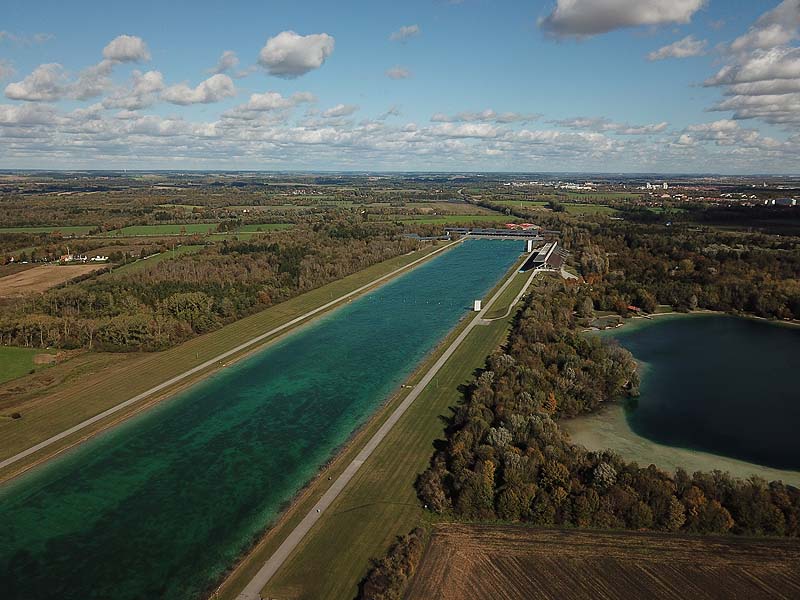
[
  {"x": 720, "y": 384},
  {"x": 160, "y": 506}
]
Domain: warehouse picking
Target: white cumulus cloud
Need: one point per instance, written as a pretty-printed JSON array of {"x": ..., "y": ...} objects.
[
  {"x": 46, "y": 83},
  {"x": 761, "y": 79},
  {"x": 405, "y": 32},
  {"x": 93, "y": 81},
  {"x": 582, "y": 18},
  {"x": 605, "y": 125},
  {"x": 215, "y": 88},
  {"x": 227, "y": 64},
  {"x": 126, "y": 48},
  {"x": 485, "y": 116},
  {"x": 290, "y": 55},
  {"x": 340, "y": 110},
  {"x": 683, "y": 48},
  {"x": 142, "y": 92},
  {"x": 227, "y": 61},
  {"x": 774, "y": 28},
  {"x": 275, "y": 101}
]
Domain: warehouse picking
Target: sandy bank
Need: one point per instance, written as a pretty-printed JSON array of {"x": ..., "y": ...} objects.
[{"x": 609, "y": 429}]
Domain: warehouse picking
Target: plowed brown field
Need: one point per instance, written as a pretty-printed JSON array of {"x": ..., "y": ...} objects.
[
  {"x": 39, "y": 279},
  {"x": 494, "y": 563}
]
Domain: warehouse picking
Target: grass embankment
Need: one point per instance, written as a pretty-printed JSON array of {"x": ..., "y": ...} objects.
[
  {"x": 79, "y": 398},
  {"x": 380, "y": 502},
  {"x": 16, "y": 362},
  {"x": 502, "y": 304}
]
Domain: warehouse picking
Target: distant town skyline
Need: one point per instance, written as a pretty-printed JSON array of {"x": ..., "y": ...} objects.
[{"x": 655, "y": 86}]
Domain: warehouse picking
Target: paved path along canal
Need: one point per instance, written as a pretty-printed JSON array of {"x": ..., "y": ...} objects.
[
  {"x": 252, "y": 590},
  {"x": 162, "y": 505}
]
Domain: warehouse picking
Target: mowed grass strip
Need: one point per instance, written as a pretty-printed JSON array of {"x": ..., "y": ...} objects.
[
  {"x": 16, "y": 362},
  {"x": 501, "y": 306},
  {"x": 380, "y": 502},
  {"x": 66, "y": 405}
]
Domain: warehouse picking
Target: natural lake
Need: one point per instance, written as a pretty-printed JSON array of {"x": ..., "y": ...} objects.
[
  {"x": 723, "y": 388},
  {"x": 160, "y": 506}
]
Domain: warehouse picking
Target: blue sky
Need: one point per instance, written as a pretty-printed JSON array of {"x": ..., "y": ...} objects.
[{"x": 566, "y": 85}]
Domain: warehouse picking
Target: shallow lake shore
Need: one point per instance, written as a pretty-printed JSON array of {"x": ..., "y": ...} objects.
[
  {"x": 609, "y": 428},
  {"x": 614, "y": 428}
]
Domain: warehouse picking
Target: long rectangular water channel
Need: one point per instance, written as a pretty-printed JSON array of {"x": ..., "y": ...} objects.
[{"x": 160, "y": 506}]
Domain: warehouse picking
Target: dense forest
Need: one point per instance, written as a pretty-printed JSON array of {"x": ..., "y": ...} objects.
[
  {"x": 162, "y": 304},
  {"x": 506, "y": 458},
  {"x": 684, "y": 265}
]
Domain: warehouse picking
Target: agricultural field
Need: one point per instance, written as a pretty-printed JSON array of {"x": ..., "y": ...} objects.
[
  {"x": 572, "y": 208},
  {"x": 73, "y": 230},
  {"x": 16, "y": 362},
  {"x": 171, "y": 229},
  {"x": 189, "y": 229},
  {"x": 601, "y": 196},
  {"x": 42, "y": 278},
  {"x": 448, "y": 219},
  {"x": 258, "y": 227},
  {"x": 270, "y": 207},
  {"x": 489, "y": 562},
  {"x": 589, "y": 197},
  {"x": 458, "y": 208},
  {"x": 13, "y": 268}
]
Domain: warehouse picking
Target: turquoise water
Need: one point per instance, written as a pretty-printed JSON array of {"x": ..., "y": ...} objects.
[
  {"x": 720, "y": 384},
  {"x": 160, "y": 506}
]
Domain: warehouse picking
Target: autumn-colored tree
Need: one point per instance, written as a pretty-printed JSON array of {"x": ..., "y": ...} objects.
[{"x": 550, "y": 406}]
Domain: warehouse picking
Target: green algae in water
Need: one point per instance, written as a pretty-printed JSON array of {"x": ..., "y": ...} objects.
[
  {"x": 719, "y": 384},
  {"x": 160, "y": 506}
]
